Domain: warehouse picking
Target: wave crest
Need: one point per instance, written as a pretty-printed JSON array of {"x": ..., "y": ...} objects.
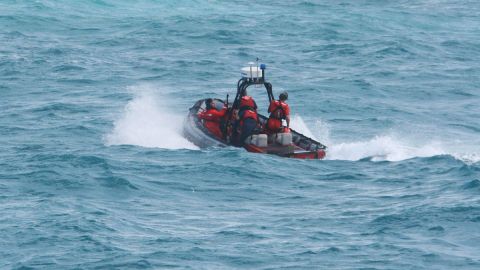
[
  {"x": 388, "y": 147},
  {"x": 147, "y": 122}
]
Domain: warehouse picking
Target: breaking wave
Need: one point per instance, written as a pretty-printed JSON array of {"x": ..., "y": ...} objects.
[
  {"x": 381, "y": 147},
  {"x": 146, "y": 122}
]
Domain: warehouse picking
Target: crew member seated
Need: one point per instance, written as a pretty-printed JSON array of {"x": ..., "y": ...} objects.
[
  {"x": 247, "y": 121},
  {"x": 212, "y": 117},
  {"x": 279, "y": 110}
]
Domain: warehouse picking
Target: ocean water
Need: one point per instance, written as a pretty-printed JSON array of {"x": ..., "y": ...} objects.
[{"x": 94, "y": 172}]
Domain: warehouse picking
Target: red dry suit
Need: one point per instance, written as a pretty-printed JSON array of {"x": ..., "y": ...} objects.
[
  {"x": 278, "y": 110},
  {"x": 212, "y": 119}
]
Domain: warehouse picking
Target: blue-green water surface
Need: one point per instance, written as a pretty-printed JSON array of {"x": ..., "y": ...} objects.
[{"x": 94, "y": 172}]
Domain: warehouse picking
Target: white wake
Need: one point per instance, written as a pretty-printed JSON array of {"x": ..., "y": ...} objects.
[
  {"x": 390, "y": 147},
  {"x": 147, "y": 122}
]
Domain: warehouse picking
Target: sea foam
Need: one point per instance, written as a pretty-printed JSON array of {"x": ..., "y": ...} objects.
[
  {"x": 390, "y": 146},
  {"x": 147, "y": 122}
]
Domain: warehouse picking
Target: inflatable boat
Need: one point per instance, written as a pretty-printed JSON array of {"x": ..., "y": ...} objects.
[{"x": 291, "y": 144}]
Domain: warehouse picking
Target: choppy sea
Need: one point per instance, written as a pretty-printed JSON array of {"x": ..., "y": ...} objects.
[{"x": 94, "y": 172}]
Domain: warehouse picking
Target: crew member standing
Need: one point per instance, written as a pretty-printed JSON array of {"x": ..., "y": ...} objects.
[
  {"x": 247, "y": 121},
  {"x": 279, "y": 110}
]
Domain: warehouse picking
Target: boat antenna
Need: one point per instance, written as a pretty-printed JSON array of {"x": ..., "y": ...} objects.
[
  {"x": 258, "y": 70},
  {"x": 250, "y": 64}
]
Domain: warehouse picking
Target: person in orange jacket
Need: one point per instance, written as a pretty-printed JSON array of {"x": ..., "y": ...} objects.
[
  {"x": 279, "y": 110},
  {"x": 212, "y": 117},
  {"x": 247, "y": 103}
]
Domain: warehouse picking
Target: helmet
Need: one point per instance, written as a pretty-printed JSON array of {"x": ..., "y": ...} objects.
[{"x": 283, "y": 95}]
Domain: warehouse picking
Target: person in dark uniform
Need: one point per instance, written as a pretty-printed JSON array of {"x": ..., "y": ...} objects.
[{"x": 247, "y": 121}]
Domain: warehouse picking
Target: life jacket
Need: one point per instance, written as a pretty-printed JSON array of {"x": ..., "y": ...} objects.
[
  {"x": 247, "y": 103},
  {"x": 248, "y": 114},
  {"x": 279, "y": 110}
]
